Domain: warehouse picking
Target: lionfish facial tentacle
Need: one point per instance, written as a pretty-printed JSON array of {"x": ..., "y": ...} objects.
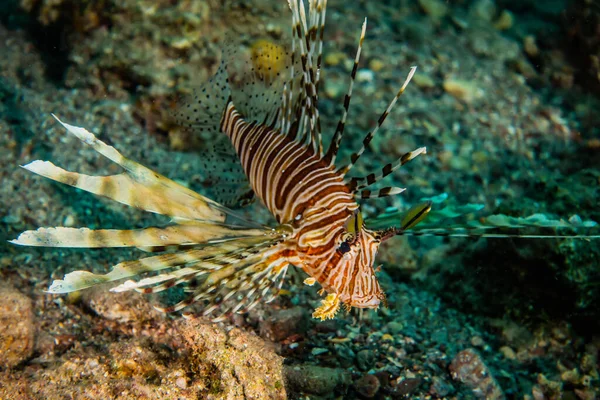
[{"x": 354, "y": 158}]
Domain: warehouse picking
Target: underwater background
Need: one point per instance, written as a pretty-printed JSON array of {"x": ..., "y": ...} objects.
[{"x": 506, "y": 100}]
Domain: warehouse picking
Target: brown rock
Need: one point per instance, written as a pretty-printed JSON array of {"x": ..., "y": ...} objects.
[
  {"x": 367, "y": 385},
  {"x": 122, "y": 307},
  {"x": 284, "y": 323},
  {"x": 468, "y": 367},
  {"x": 17, "y": 336}
]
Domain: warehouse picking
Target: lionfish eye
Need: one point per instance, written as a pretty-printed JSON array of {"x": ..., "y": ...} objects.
[{"x": 344, "y": 247}]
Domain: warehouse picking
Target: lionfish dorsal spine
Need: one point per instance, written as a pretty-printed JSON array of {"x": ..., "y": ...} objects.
[
  {"x": 334, "y": 146},
  {"x": 367, "y": 139}
]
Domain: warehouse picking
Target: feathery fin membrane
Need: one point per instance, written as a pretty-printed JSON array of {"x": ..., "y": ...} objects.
[{"x": 227, "y": 255}]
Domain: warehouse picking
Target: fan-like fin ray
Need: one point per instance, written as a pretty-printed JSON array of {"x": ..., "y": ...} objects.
[
  {"x": 139, "y": 186},
  {"x": 211, "y": 255},
  {"x": 97, "y": 238}
]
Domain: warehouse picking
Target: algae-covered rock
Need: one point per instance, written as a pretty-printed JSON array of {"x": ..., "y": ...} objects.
[
  {"x": 236, "y": 364},
  {"x": 182, "y": 359}
]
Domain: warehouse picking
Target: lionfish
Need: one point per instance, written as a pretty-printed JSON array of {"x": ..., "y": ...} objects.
[{"x": 227, "y": 262}]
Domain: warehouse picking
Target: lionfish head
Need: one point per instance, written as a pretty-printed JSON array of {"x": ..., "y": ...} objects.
[{"x": 351, "y": 280}]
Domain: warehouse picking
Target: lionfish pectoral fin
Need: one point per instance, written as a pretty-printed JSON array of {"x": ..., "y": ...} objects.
[
  {"x": 148, "y": 237},
  {"x": 138, "y": 187},
  {"x": 231, "y": 285},
  {"x": 78, "y": 280},
  {"x": 181, "y": 267}
]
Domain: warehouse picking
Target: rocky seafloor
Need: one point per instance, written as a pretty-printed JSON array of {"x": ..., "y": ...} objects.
[{"x": 505, "y": 99}]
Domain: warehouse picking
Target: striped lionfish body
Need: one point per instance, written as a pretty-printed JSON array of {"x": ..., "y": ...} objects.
[
  {"x": 309, "y": 195},
  {"x": 274, "y": 126}
]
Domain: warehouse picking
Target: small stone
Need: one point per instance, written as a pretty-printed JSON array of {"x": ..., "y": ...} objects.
[
  {"x": 468, "y": 367},
  {"x": 463, "y": 90},
  {"x": 436, "y": 9},
  {"x": 423, "y": 81},
  {"x": 376, "y": 65},
  {"x": 571, "y": 376},
  {"x": 508, "y": 352},
  {"x": 505, "y": 21},
  {"x": 440, "y": 387},
  {"x": 395, "y": 327},
  {"x": 585, "y": 394},
  {"x": 367, "y": 386},
  {"x": 406, "y": 386},
  {"x": 477, "y": 341},
  {"x": 345, "y": 355},
  {"x": 365, "y": 75},
  {"x": 69, "y": 221},
  {"x": 178, "y": 139},
  {"x": 530, "y": 46},
  {"x": 124, "y": 307},
  {"x": 10, "y": 219},
  {"x": 283, "y": 323},
  {"x": 365, "y": 359},
  {"x": 318, "y": 350},
  {"x": 335, "y": 58},
  {"x": 386, "y": 337},
  {"x": 334, "y": 88},
  {"x": 315, "y": 380},
  {"x": 181, "y": 382},
  {"x": 549, "y": 387}
]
